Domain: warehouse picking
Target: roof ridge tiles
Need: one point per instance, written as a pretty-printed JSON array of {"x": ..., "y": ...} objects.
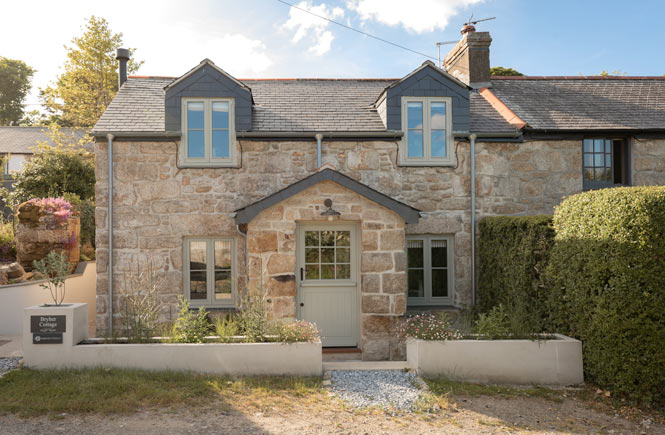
[{"x": 578, "y": 78}]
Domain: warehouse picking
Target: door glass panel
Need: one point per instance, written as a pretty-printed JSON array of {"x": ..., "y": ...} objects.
[{"x": 327, "y": 254}]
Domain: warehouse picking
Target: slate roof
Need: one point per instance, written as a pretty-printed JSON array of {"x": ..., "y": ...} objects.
[
  {"x": 20, "y": 140},
  {"x": 281, "y": 105},
  {"x": 585, "y": 103}
]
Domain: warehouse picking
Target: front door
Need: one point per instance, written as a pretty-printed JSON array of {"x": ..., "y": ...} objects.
[{"x": 328, "y": 279}]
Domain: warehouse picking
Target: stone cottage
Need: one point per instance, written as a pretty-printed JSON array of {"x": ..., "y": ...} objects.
[{"x": 349, "y": 202}]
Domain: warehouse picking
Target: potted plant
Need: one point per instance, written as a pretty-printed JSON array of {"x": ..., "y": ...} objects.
[{"x": 54, "y": 268}]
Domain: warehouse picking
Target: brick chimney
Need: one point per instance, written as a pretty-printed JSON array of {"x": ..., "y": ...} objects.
[{"x": 469, "y": 60}]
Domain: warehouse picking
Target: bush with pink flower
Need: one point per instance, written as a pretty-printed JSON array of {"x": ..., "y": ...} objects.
[{"x": 59, "y": 207}]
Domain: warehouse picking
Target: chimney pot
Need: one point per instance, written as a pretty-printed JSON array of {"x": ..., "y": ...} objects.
[{"x": 122, "y": 55}]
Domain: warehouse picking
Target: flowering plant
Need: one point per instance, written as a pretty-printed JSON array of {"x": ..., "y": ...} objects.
[
  {"x": 298, "y": 332},
  {"x": 60, "y": 208},
  {"x": 428, "y": 326}
]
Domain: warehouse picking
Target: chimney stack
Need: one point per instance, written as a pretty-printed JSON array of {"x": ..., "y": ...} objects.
[
  {"x": 469, "y": 60},
  {"x": 122, "y": 55}
]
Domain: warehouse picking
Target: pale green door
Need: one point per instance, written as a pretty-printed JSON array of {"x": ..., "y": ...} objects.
[{"x": 328, "y": 278}]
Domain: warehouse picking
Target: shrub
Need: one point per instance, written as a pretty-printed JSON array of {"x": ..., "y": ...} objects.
[
  {"x": 54, "y": 268},
  {"x": 428, "y": 326},
  {"x": 59, "y": 207},
  {"x": 493, "y": 324},
  {"x": 606, "y": 273},
  {"x": 86, "y": 211},
  {"x": 7, "y": 242},
  {"x": 190, "y": 326},
  {"x": 253, "y": 317},
  {"x": 227, "y": 329},
  {"x": 512, "y": 256},
  {"x": 141, "y": 304},
  {"x": 297, "y": 332}
]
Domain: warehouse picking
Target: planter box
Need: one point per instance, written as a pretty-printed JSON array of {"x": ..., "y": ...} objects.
[
  {"x": 233, "y": 359},
  {"x": 555, "y": 361}
]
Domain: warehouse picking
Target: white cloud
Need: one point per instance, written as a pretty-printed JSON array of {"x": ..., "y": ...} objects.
[
  {"x": 170, "y": 36},
  {"x": 307, "y": 25},
  {"x": 418, "y": 16}
]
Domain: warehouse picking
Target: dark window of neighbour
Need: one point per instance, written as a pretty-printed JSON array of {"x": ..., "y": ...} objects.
[{"x": 604, "y": 163}]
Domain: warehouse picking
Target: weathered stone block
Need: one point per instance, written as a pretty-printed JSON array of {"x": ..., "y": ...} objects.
[
  {"x": 376, "y": 262},
  {"x": 282, "y": 285},
  {"x": 379, "y": 304},
  {"x": 371, "y": 283},
  {"x": 262, "y": 241},
  {"x": 392, "y": 240},
  {"x": 393, "y": 283},
  {"x": 281, "y": 263}
]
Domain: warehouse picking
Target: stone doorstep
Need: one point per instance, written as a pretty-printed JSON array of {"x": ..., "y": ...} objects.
[{"x": 364, "y": 365}]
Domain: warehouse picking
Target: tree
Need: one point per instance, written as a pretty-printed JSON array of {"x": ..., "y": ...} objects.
[
  {"x": 90, "y": 81},
  {"x": 617, "y": 72},
  {"x": 15, "y": 82},
  {"x": 501, "y": 71}
]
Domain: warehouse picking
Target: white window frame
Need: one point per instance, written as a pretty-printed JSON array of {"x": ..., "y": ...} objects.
[
  {"x": 210, "y": 273},
  {"x": 208, "y": 160},
  {"x": 427, "y": 159},
  {"x": 427, "y": 267}
]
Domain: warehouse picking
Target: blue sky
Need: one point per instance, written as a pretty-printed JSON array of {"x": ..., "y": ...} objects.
[{"x": 264, "y": 38}]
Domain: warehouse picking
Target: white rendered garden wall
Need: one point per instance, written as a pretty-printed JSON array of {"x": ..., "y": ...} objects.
[
  {"x": 233, "y": 359},
  {"x": 80, "y": 287},
  {"x": 543, "y": 362}
]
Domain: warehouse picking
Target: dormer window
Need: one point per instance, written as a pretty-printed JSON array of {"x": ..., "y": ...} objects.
[
  {"x": 427, "y": 127},
  {"x": 208, "y": 132}
]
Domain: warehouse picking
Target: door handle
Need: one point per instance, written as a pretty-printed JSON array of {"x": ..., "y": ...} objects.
[
  {"x": 301, "y": 274},
  {"x": 302, "y": 304}
]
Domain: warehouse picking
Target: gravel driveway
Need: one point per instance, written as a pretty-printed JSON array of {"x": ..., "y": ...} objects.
[
  {"x": 7, "y": 364},
  {"x": 383, "y": 388}
]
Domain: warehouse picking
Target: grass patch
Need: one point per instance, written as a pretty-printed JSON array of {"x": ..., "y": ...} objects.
[
  {"x": 442, "y": 387},
  {"x": 33, "y": 392}
]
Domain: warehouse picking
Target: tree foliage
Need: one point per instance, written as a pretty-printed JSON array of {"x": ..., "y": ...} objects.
[
  {"x": 15, "y": 82},
  {"x": 80, "y": 95},
  {"x": 501, "y": 71},
  {"x": 54, "y": 170}
]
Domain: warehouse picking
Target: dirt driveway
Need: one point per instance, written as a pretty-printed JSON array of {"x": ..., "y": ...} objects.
[{"x": 464, "y": 415}]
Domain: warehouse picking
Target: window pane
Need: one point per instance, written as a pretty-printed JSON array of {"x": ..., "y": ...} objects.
[
  {"x": 439, "y": 283},
  {"x": 198, "y": 284},
  {"x": 598, "y": 145},
  {"x": 343, "y": 271},
  {"x": 311, "y": 238},
  {"x": 438, "y": 143},
  {"x": 220, "y": 143},
  {"x": 343, "y": 238},
  {"x": 312, "y": 271},
  {"x": 220, "y": 114},
  {"x": 195, "y": 144},
  {"x": 195, "y": 116},
  {"x": 312, "y": 255},
  {"x": 415, "y": 140},
  {"x": 416, "y": 283},
  {"x": 222, "y": 254},
  {"x": 588, "y": 160},
  {"x": 439, "y": 253},
  {"x": 415, "y": 115},
  {"x": 327, "y": 271},
  {"x": 327, "y": 238},
  {"x": 588, "y": 174},
  {"x": 599, "y": 160},
  {"x": 608, "y": 146},
  {"x": 414, "y": 253},
  {"x": 438, "y": 116},
  {"x": 343, "y": 255},
  {"x": 222, "y": 284},
  {"x": 327, "y": 255},
  {"x": 197, "y": 255},
  {"x": 588, "y": 145}
]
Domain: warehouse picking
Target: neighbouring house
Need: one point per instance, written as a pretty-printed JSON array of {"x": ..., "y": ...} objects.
[
  {"x": 349, "y": 201},
  {"x": 20, "y": 143}
]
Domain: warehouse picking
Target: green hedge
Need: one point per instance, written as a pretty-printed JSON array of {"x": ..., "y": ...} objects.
[
  {"x": 512, "y": 255},
  {"x": 606, "y": 276}
]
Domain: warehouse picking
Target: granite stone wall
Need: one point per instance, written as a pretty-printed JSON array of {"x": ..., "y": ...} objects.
[{"x": 157, "y": 203}]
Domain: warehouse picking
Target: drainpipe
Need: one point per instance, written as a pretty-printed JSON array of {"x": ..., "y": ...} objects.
[
  {"x": 472, "y": 139},
  {"x": 109, "y": 138},
  {"x": 318, "y": 137}
]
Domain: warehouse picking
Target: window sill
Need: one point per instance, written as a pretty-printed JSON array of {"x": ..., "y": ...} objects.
[
  {"x": 209, "y": 166},
  {"x": 215, "y": 308},
  {"x": 425, "y": 164},
  {"x": 433, "y": 307}
]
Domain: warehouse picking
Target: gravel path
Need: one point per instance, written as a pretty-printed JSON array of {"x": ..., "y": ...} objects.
[
  {"x": 7, "y": 364},
  {"x": 383, "y": 388}
]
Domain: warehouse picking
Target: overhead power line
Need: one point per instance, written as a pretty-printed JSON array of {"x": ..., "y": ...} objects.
[{"x": 358, "y": 31}]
